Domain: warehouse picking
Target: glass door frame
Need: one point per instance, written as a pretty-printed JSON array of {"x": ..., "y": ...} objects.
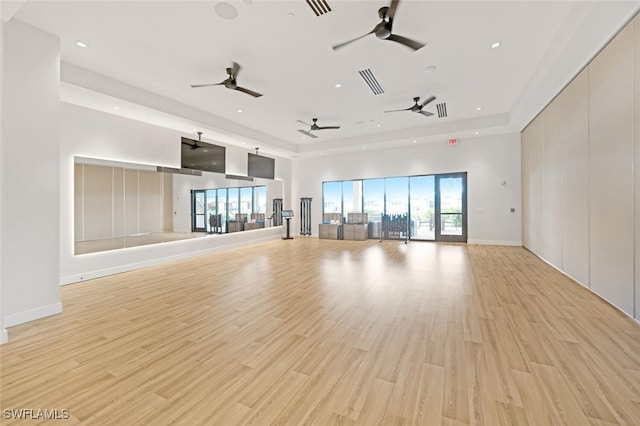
[
  {"x": 194, "y": 210},
  {"x": 438, "y": 214}
]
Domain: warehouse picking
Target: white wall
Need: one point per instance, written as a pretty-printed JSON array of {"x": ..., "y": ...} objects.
[
  {"x": 30, "y": 174},
  {"x": 487, "y": 160},
  {"x": 4, "y": 337},
  {"x": 95, "y": 134},
  {"x": 580, "y": 179}
]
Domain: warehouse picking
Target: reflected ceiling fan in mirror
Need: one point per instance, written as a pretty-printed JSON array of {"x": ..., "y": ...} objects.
[
  {"x": 231, "y": 82},
  {"x": 314, "y": 127},
  {"x": 418, "y": 107},
  {"x": 384, "y": 29}
]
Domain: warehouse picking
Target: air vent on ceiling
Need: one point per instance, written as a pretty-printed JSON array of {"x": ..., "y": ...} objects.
[
  {"x": 371, "y": 81},
  {"x": 442, "y": 110},
  {"x": 319, "y": 7},
  {"x": 238, "y": 177}
]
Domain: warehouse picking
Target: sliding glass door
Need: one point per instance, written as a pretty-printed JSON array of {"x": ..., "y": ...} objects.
[
  {"x": 428, "y": 207},
  {"x": 451, "y": 207},
  {"x": 422, "y": 192}
]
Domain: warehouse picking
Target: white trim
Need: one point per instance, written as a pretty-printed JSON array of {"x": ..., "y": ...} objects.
[
  {"x": 495, "y": 243},
  {"x": 70, "y": 279},
  {"x": 32, "y": 314},
  {"x": 4, "y": 336}
]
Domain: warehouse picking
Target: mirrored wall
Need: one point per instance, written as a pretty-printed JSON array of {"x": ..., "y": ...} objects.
[{"x": 119, "y": 205}]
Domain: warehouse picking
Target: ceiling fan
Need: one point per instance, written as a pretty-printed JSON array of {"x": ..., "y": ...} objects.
[
  {"x": 383, "y": 29},
  {"x": 230, "y": 82},
  {"x": 418, "y": 107},
  {"x": 314, "y": 126}
]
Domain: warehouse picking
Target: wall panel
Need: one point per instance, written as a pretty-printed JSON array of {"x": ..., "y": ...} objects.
[
  {"x": 98, "y": 202},
  {"x": 536, "y": 170},
  {"x": 167, "y": 189},
  {"x": 118, "y": 202},
  {"x": 575, "y": 179},
  {"x": 551, "y": 224},
  {"x": 131, "y": 202},
  {"x": 150, "y": 202},
  {"x": 636, "y": 125},
  {"x": 526, "y": 142},
  {"x": 611, "y": 192},
  {"x": 78, "y": 234}
]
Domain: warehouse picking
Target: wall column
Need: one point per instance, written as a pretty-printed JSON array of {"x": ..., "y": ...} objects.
[
  {"x": 3, "y": 332},
  {"x": 30, "y": 174}
]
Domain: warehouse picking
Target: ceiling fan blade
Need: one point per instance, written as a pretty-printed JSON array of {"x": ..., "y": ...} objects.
[
  {"x": 412, "y": 44},
  {"x": 328, "y": 127},
  {"x": 304, "y": 132},
  {"x": 341, "y": 45},
  {"x": 425, "y": 113},
  {"x": 392, "y": 9},
  {"x": 249, "y": 92},
  {"x": 206, "y": 85},
  {"x": 235, "y": 69},
  {"x": 306, "y": 124},
  {"x": 397, "y": 110},
  {"x": 428, "y": 100}
]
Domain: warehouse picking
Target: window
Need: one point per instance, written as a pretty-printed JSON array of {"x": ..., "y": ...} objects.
[
  {"x": 352, "y": 196},
  {"x": 332, "y": 197},
  {"x": 429, "y": 207}
]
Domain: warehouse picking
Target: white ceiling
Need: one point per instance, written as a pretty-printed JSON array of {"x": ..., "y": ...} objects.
[{"x": 285, "y": 51}]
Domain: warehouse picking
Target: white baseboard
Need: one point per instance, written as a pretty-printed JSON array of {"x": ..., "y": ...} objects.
[
  {"x": 4, "y": 336},
  {"x": 32, "y": 314},
  {"x": 587, "y": 287},
  {"x": 495, "y": 243}
]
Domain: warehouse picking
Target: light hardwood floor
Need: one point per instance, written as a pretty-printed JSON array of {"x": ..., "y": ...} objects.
[{"x": 324, "y": 332}]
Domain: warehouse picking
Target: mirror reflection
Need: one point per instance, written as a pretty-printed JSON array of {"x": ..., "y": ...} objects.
[{"x": 119, "y": 205}]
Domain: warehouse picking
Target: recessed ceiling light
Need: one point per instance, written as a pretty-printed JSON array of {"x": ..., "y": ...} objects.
[
  {"x": 81, "y": 44},
  {"x": 476, "y": 133},
  {"x": 116, "y": 107},
  {"x": 414, "y": 141},
  {"x": 495, "y": 44},
  {"x": 431, "y": 68},
  {"x": 338, "y": 85},
  {"x": 479, "y": 109},
  {"x": 239, "y": 110},
  {"x": 322, "y": 153},
  {"x": 304, "y": 138},
  {"x": 378, "y": 125},
  {"x": 226, "y": 10},
  {"x": 364, "y": 147}
]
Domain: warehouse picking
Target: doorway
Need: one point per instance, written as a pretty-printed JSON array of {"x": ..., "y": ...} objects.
[{"x": 451, "y": 207}]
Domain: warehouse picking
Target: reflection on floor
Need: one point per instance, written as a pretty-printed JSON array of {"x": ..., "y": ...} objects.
[{"x": 92, "y": 246}]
